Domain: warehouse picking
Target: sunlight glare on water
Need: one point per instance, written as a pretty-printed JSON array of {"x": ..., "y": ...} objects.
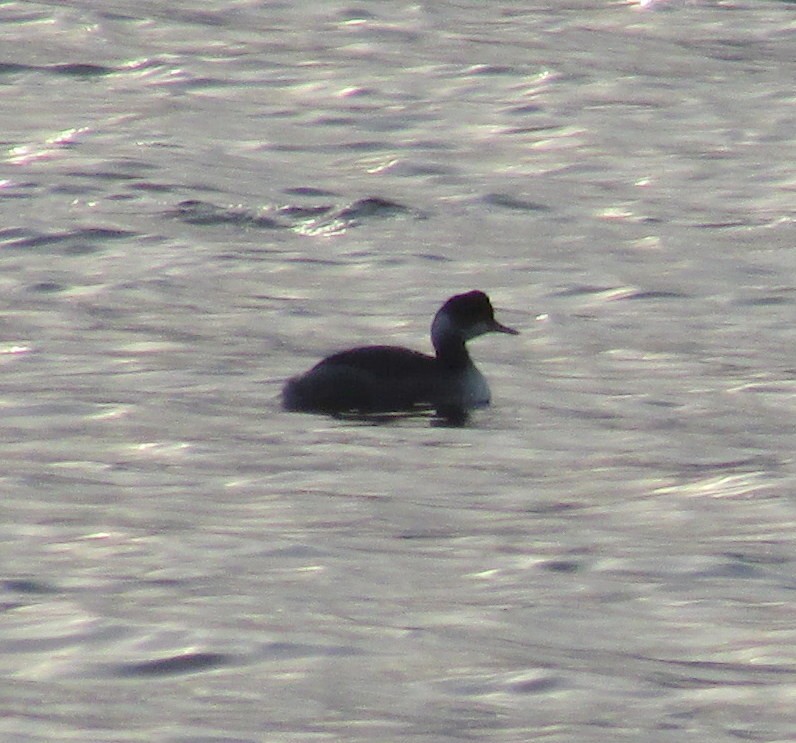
[{"x": 201, "y": 201}]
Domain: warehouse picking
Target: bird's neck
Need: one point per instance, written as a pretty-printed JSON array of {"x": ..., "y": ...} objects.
[{"x": 452, "y": 352}]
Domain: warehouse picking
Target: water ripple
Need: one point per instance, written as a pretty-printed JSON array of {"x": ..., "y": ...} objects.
[
  {"x": 73, "y": 242},
  {"x": 174, "y": 665},
  {"x": 306, "y": 220},
  {"x": 204, "y": 213},
  {"x": 71, "y": 69}
]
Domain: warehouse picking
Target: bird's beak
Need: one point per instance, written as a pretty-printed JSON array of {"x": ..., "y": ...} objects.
[{"x": 498, "y": 328}]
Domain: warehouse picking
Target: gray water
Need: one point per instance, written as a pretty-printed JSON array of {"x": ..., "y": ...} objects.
[{"x": 201, "y": 199}]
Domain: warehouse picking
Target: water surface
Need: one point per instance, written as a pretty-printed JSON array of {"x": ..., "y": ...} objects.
[{"x": 200, "y": 201}]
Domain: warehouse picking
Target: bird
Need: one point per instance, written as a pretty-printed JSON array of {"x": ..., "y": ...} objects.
[{"x": 382, "y": 379}]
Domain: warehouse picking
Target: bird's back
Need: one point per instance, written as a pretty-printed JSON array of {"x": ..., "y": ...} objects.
[{"x": 372, "y": 378}]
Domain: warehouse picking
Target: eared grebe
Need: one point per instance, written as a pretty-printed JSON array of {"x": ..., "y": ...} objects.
[{"x": 377, "y": 379}]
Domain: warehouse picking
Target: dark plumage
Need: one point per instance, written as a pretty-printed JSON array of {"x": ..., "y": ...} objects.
[{"x": 389, "y": 378}]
